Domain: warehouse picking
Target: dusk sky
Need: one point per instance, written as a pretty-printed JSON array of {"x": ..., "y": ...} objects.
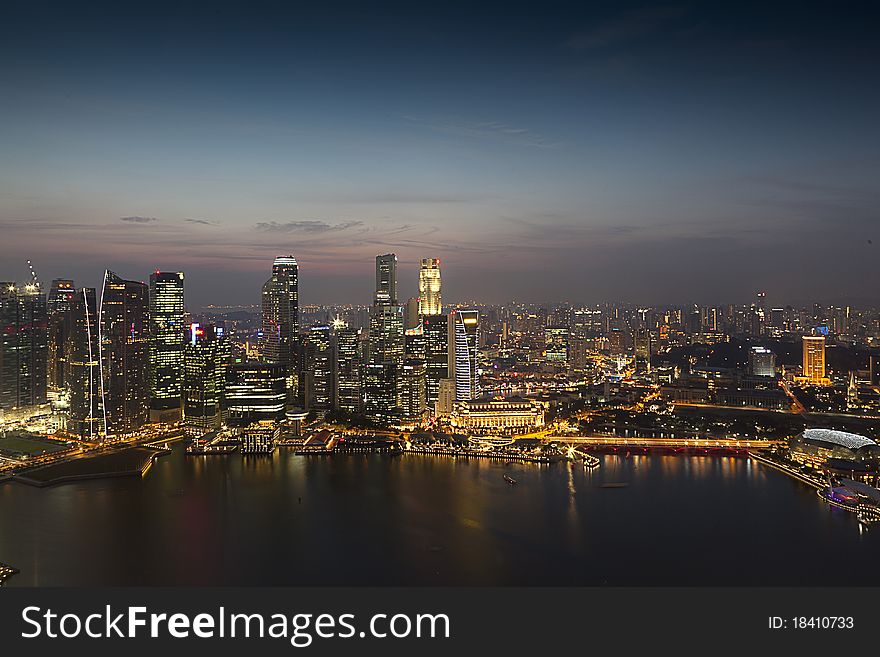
[{"x": 560, "y": 151}]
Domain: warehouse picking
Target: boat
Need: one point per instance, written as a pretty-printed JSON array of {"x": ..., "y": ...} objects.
[{"x": 510, "y": 480}]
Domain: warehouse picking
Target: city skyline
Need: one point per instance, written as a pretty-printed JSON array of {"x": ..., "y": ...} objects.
[{"x": 671, "y": 147}]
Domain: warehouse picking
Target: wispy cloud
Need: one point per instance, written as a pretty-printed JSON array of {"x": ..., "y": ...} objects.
[
  {"x": 202, "y": 222},
  {"x": 138, "y": 220},
  {"x": 311, "y": 227}
]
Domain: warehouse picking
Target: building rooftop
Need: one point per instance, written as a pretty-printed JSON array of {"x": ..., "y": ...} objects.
[{"x": 842, "y": 438}]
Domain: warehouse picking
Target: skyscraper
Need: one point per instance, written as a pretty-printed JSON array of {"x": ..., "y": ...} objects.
[
  {"x": 123, "y": 323},
  {"x": 814, "y": 359},
  {"x": 430, "y": 302},
  {"x": 348, "y": 369},
  {"x": 23, "y": 346},
  {"x": 318, "y": 367},
  {"x": 464, "y": 336},
  {"x": 386, "y": 279},
  {"x": 206, "y": 357},
  {"x": 280, "y": 305},
  {"x": 255, "y": 391},
  {"x": 82, "y": 377},
  {"x": 413, "y": 403},
  {"x": 762, "y": 362},
  {"x": 167, "y": 339},
  {"x": 436, "y": 337},
  {"x": 58, "y": 306},
  {"x": 556, "y": 344},
  {"x": 381, "y": 385}
]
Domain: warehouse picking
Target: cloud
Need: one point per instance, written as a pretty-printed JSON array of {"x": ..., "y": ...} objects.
[
  {"x": 626, "y": 27},
  {"x": 311, "y": 227},
  {"x": 138, "y": 220},
  {"x": 202, "y": 222}
]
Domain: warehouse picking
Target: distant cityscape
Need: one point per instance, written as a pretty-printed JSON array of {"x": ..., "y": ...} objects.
[{"x": 90, "y": 375}]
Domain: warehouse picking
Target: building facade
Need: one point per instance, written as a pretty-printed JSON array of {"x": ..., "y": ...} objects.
[
  {"x": 24, "y": 346},
  {"x": 167, "y": 340},
  {"x": 430, "y": 297},
  {"x": 463, "y": 340}
]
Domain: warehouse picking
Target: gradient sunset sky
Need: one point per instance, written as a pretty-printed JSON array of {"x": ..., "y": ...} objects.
[{"x": 589, "y": 151}]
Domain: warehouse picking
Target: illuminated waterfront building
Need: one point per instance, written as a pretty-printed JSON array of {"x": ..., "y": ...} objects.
[
  {"x": 318, "y": 369},
  {"x": 463, "y": 340},
  {"x": 413, "y": 403},
  {"x": 762, "y": 362},
  {"x": 348, "y": 365},
  {"x": 280, "y": 319},
  {"x": 123, "y": 321},
  {"x": 506, "y": 416},
  {"x": 82, "y": 375},
  {"x": 167, "y": 339},
  {"x": 206, "y": 358},
  {"x": 445, "y": 398},
  {"x": 814, "y": 359},
  {"x": 380, "y": 393},
  {"x": 23, "y": 346},
  {"x": 436, "y": 338},
  {"x": 556, "y": 344},
  {"x": 430, "y": 299},
  {"x": 255, "y": 391},
  {"x": 58, "y": 306}
]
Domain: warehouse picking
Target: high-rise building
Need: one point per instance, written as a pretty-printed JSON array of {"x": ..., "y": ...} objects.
[
  {"x": 413, "y": 404},
  {"x": 318, "y": 369},
  {"x": 58, "y": 307},
  {"x": 556, "y": 344},
  {"x": 348, "y": 369},
  {"x": 167, "y": 340},
  {"x": 814, "y": 359},
  {"x": 255, "y": 391},
  {"x": 411, "y": 314},
  {"x": 642, "y": 340},
  {"x": 386, "y": 279},
  {"x": 380, "y": 392},
  {"x": 206, "y": 358},
  {"x": 463, "y": 341},
  {"x": 123, "y": 323},
  {"x": 430, "y": 300},
  {"x": 762, "y": 362},
  {"x": 23, "y": 346},
  {"x": 436, "y": 335},
  {"x": 280, "y": 306},
  {"x": 82, "y": 376}
]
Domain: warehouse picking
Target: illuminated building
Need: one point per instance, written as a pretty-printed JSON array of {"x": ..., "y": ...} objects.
[
  {"x": 82, "y": 376},
  {"x": 206, "y": 357},
  {"x": 814, "y": 359},
  {"x": 445, "y": 397},
  {"x": 167, "y": 339},
  {"x": 436, "y": 338},
  {"x": 642, "y": 340},
  {"x": 23, "y": 346},
  {"x": 386, "y": 279},
  {"x": 348, "y": 369},
  {"x": 386, "y": 341},
  {"x": 430, "y": 300},
  {"x": 412, "y": 320},
  {"x": 762, "y": 362},
  {"x": 58, "y": 306},
  {"x": 413, "y": 404},
  {"x": 817, "y": 446},
  {"x": 556, "y": 344},
  {"x": 280, "y": 319},
  {"x": 259, "y": 437},
  {"x": 255, "y": 391},
  {"x": 380, "y": 393},
  {"x": 318, "y": 369},
  {"x": 507, "y": 416},
  {"x": 463, "y": 340},
  {"x": 123, "y": 322}
]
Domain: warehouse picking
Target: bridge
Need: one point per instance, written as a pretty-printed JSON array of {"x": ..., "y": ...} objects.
[{"x": 664, "y": 443}]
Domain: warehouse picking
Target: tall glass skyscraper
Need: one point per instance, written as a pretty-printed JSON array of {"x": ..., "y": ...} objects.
[
  {"x": 280, "y": 305},
  {"x": 382, "y": 395},
  {"x": 430, "y": 302},
  {"x": 23, "y": 346},
  {"x": 436, "y": 332},
  {"x": 386, "y": 279},
  {"x": 123, "y": 321},
  {"x": 82, "y": 377},
  {"x": 167, "y": 339},
  {"x": 318, "y": 359},
  {"x": 348, "y": 369},
  {"x": 464, "y": 337},
  {"x": 58, "y": 306},
  {"x": 207, "y": 356}
]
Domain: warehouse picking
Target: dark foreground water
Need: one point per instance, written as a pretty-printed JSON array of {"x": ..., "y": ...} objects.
[{"x": 412, "y": 520}]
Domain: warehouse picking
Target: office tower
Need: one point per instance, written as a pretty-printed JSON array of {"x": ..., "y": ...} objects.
[
  {"x": 386, "y": 279},
  {"x": 814, "y": 359},
  {"x": 436, "y": 336},
  {"x": 414, "y": 344},
  {"x": 207, "y": 356},
  {"x": 167, "y": 340},
  {"x": 348, "y": 369},
  {"x": 318, "y": 369},
  {"x": 412, "y": 319},
  {"x": 123, "y": 323},
  {"x": 387, "y": 342},
  {"x": 445, "y": 397},
  {"x": 413, "y": 402},
  {"x": 380, "y": 392},
  {"x": 642, "y": 339},
  {"x": 255, "y": 391},
  {"x": 58, "y": 305},
  {"x": 430, "y": 300},
  {"x": 82, "y": 375},
  {"x": 463, "y": 340},
  {"x": 556, "y": 345},
  {"x": 762, "y": 362},
  {"x": 24, "y": 348},
  {"x": 280, "y": 306}
]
